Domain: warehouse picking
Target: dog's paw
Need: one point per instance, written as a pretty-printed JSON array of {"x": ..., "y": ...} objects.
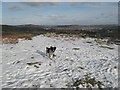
[{"x": 54, "y": 55}]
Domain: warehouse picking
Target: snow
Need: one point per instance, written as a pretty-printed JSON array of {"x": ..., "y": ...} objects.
[
  {"x": 0, "y": 66},
  {"x": 74, "y": 59}
]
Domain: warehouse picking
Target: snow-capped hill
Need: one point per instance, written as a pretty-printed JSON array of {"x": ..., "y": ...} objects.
[{"x": 78, "y": 63}]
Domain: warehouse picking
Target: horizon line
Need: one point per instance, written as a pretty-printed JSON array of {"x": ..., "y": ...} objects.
[{"x": 58, "y": 24}]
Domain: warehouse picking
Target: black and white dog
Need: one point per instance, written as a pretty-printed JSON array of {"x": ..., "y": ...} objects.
[{"x": 50, "y": 52}]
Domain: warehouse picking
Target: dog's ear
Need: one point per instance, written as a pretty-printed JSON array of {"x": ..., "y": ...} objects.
[
  {"x": 54, "y": 48},
  {"x": 47, "y": 49}
]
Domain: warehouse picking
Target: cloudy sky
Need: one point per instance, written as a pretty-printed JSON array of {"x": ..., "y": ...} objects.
[
  {"x": 59, "y": 13},
  {"x": 60, "y": 0}
]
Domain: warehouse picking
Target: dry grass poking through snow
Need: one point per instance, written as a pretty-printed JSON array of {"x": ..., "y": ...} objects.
[
  {"x": 13, "y": 39},
  {"x": 104, "y": 41},
  {"x": 88, "y": 82},
  {"x": 63, "y": 35}
]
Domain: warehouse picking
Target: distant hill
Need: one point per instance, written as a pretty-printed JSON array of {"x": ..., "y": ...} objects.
[
  {"x": 101, "y": 31},
  {"x": 10, "y": 30}
]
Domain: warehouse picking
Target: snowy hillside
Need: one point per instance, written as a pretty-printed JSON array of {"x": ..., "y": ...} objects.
[{"x": 78, "y": 63}]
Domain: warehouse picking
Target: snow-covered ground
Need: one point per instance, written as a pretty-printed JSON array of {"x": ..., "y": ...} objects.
[
  {"x": 25, "y": 64},
  {"x": 0, "y": 66}
]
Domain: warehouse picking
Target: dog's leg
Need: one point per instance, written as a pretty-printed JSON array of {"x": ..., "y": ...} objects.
[{"x": 51, "y": 56}]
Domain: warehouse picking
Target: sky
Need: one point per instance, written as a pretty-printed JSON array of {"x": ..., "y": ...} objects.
[
  {"x": 60, "y": 0},
  {"x": 59, "y": 13}
]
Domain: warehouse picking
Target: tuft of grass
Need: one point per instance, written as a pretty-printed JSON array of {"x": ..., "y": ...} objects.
[
  {"x": 88, "y": 81},
  {"x": 32, "y": 63},
  {"x": 115, "y": 67},
  {"x": 76, "y": 48},
  {"x": 103, "y": 59},
  {"x": 88, "y": 42},
  {"x": 81, "y": 67},
  {"x": 36, "y": 66},
  {"x": 107, "y": 47},
  {"x": 17, "y": 62},
  {"x": 104, "y": 41},
  {"x": 32, "y": 57}
]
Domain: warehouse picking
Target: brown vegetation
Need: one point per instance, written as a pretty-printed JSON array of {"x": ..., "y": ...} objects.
[
  {"x": 63, "y": 35},
  {"x": 13, "y": 39},
  {"x": 104, "y": 41}
]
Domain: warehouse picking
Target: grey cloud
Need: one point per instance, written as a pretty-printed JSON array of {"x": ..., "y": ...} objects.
[
  {"x": 106, "y": 15},
  {"x": 113, "y": 3},
  {"x": 39, "y": 15},
  {"x": 109, "y": 15},
  {"x": 38, "y": 4},
  {"x": 85, "y": 3},
  {"x": 94, "y": 3},
  {"x": 15, "y": 8},
  {"x": 60, "y": 17}
]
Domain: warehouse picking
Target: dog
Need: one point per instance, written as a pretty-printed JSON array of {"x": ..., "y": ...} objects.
[{"x": 50, "y": 52}]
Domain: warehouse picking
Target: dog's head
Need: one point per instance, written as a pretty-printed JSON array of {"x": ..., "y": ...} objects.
[{"x": 53, "y": 48}]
